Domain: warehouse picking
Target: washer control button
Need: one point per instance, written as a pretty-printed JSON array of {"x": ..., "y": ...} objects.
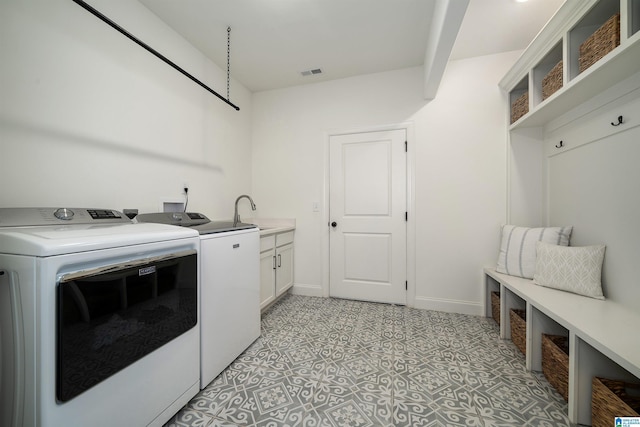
[{"x": 63, "y": 214}]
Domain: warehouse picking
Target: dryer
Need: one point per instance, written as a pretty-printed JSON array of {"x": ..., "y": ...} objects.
[{"x": 98, "y": 317}]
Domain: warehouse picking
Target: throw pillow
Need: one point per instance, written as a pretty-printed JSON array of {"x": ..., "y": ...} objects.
[
  {"x": 572, "y": 269},
  {"x": 517, "y": 255}
]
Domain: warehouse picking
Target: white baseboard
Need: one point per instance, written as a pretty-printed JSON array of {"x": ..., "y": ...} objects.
[
  {"x": 450, "y": 306},
  {"x": 423, "y": 303},
  {"x": 307, "y": 290}
]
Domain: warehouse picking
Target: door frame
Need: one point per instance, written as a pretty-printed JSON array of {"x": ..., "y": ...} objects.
[{"x": 411, "y": 223}]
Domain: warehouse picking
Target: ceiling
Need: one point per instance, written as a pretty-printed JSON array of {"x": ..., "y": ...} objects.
[{"x": 273, "y": 41}]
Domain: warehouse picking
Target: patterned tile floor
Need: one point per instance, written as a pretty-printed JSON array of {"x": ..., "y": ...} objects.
[{"x": 338, "y": 363}]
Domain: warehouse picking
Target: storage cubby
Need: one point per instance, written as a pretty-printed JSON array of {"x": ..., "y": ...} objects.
[
  {"x": 599, "y": 14},
  {"x": 542, "y": 70},
  {"x": 541, "y": 324},
  {"x": 492, "y": 299},
  {"x": 634, "y": 17},
  {"x": 586, "y": 362},
  {"x": 510, "y": 301},
  {"x": 519, "y": 99}
]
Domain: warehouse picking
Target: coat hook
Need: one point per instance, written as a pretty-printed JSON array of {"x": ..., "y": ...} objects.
[
  {"x": 560, "y": 145},
  {"x": 619, "y": 122}
]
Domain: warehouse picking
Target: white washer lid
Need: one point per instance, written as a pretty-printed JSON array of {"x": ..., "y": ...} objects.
[{"x": 57, "y": 240}]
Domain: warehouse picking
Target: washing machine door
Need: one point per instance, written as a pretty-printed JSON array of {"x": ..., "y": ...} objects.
[{"x": 111, "y": 316}]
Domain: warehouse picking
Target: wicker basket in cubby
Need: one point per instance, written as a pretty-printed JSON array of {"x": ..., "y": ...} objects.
[
  {"x": 555, "y": 362},
  {"x": 552, "y": 81},
  {"x": 520, "y": 107},
  {"x": 610, "y": 399},
  {"x": 604, "y": 40},
  {"x": 495, "y": 306},
  {"x": 519, "y": 329}
]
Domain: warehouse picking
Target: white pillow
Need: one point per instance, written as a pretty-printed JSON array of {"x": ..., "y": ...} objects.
[
  {"x": 572, "y": 269},
  {"x": 517, "y": 255}
]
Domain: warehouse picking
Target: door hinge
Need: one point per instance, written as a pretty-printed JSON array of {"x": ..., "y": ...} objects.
[
  {"x": 405, "y": 146},
  {"x": 406, "y": 285}
]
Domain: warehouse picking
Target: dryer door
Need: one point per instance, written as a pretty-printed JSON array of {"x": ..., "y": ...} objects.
[{"x": 110, "y": 317}]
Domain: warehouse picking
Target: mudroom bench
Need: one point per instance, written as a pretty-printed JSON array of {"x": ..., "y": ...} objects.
[{"x": 604, "y": 337}]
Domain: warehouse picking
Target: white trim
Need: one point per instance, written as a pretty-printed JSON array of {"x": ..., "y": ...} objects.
[
  {"x": 473, "y": 308},
  {"x": 409, "y": 128},
  {"x": 307, "y": 290}
]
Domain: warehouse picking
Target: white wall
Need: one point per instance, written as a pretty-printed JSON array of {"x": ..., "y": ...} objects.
[
  {"x": 593, "y": 185},
  {"x": 88, "y": 118},
  {"x": 460, "y": 170}
]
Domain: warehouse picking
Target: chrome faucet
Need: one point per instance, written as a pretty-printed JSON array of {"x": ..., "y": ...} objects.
[{"x": 236, "y": 215}]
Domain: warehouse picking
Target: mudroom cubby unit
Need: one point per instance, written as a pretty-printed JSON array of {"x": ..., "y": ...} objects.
[{"x": 560, "y": 40}]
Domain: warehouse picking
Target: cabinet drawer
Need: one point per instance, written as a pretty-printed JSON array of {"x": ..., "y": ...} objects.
[
  {"x": 267, "y": 243},
  {"x": 284, "y": 238}
]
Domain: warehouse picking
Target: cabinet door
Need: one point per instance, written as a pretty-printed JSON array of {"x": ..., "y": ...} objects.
[
  {"x": 284, "y": 271},
  {"x": 267, "y": 277}
]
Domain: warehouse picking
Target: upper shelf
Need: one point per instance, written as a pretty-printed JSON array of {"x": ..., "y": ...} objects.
[
  {"x": 618, "y": 65},
  {"x": 559, "y": 42}
]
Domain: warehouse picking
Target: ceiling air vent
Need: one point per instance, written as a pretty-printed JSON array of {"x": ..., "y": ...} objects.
[{"x": 313, "y": 72}]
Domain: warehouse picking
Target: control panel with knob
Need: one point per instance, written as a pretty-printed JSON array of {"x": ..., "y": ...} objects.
[
  {"x": 64, "y": 214},
  {"x": 20, "y": 217}
]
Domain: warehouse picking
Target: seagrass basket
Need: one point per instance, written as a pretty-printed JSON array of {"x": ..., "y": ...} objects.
[
  {"x": 495, "y": 306},
  {"x": 520, "y": 107},
  {"x": 555, "y": 362},
  {"x": 602, "y": 41},
  {"x": 519, "y": 329},
  {"x": 552, "y": 81},
  {"x": 610, "y": 399}
]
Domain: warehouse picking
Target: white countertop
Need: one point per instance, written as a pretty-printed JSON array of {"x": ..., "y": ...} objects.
[{"x": 270, "y": 226}]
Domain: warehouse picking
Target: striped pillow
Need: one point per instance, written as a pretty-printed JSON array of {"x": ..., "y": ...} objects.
[{"x": 517, "y": 255}]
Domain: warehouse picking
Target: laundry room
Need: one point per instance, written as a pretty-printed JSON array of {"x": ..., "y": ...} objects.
[{"x": 152, "y": 110}]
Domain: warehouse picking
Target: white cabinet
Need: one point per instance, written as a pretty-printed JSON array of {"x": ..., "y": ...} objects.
[{"x": 276, "y": 266}]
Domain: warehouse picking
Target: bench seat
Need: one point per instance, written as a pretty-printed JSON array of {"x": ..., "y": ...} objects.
[{"x": 604, "y": 336}]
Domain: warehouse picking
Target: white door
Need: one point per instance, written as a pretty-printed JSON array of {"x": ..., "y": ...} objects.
[{"x": 367, "y": 216}]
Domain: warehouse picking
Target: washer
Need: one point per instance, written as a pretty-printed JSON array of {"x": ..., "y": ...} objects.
[
  {"x": 98, "y": 318},
  {"x": 230, "y": 287}
]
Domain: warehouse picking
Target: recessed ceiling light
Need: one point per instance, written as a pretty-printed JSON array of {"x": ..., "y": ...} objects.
[{"x": 521, "y": 1}]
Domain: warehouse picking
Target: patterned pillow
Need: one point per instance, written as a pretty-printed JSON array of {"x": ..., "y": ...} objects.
[
  {"x": 572, "y": 269},
  {"x": 517, "y": 255}
]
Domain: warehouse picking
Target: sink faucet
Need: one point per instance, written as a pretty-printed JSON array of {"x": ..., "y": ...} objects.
[{"x": 236, "y": 215}]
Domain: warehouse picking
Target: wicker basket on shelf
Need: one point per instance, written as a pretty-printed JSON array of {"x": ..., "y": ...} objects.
[
  {"x": 610, "y": 399},
  {"x": 520, "y": 107},
  {"x": 555, "y": 362},
  {"x": 604, "y": 40},
  {"x": 552, "y": 81},
  {"x": 519, "y": 329},
  {"x": 495, "y": 306}
]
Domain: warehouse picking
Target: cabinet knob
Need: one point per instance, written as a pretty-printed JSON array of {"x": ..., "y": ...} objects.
[{"x": 334, "y": 224}]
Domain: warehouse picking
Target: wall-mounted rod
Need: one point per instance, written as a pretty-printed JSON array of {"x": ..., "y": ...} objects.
[{"x": 130, "y": 36}]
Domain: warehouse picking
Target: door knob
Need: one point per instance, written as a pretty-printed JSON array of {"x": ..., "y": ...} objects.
[{"x": 334, "y": 224}]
